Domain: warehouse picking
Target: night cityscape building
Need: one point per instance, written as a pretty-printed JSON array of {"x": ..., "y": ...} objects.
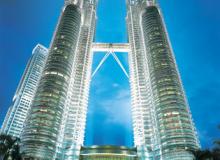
[
  {"x": 56, "y": 123},
  {"x": 17, "y": 112},
  {"x": 162, "y": 122}
]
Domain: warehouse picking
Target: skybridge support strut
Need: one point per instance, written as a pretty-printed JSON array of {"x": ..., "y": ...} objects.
[{"x": 111, "y": 49}]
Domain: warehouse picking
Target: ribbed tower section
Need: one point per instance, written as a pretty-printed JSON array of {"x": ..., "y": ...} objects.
[
  {"x": 144, "y": 121},
  {"x": 44, "y": 122},
  {"x": 73, "y": 127},
  {"x": 166, "y": 118},
  {"x": 176, "y": 129},
  {"x": 17, "y": 113}
]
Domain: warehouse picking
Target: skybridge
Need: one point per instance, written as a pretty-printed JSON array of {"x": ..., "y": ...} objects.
[{"x": 111, "y": 49}]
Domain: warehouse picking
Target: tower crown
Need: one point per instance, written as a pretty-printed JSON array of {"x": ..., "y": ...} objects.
[{"x": 41, "y": 48}]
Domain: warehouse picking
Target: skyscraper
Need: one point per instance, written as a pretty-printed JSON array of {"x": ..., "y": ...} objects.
[
  {"x": 56, "y": 123},
  {"x": 74, "y": 119},
  {"x": 162, "y": 122},
  {"x": 17, "y": 113}
]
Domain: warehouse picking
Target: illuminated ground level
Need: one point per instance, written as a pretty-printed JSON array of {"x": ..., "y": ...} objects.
[{"x": 108, "y": 153}]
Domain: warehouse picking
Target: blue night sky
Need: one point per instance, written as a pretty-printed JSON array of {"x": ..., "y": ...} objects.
[{"x": 194, "y": 29}]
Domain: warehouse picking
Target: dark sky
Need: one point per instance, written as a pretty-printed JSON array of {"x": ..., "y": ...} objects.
[{"x": 194, "y": 29}]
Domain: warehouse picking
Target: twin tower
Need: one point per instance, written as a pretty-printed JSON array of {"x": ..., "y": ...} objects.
[{"x": 162, "y": 122}]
